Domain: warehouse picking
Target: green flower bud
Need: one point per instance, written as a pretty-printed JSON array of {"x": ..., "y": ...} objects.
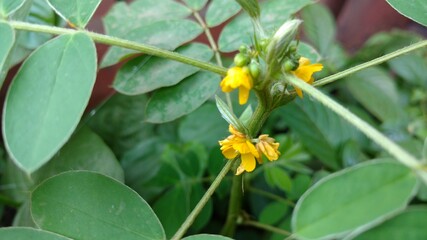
[
  {"x": 243, "y": 49},
  {"x": 241, "y": 60},
  {"x": 254, "y": 69},
  {"x": 290, "y": 65},
  {"x": 280, "y": 41}
]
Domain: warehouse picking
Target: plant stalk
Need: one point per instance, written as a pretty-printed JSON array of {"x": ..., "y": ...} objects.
[
  {"x": 114, "y": 41},
  {"x": 371, "y": 63},
  {"x": 388, "y": 145},
  {"x": 198, "y": 208}
]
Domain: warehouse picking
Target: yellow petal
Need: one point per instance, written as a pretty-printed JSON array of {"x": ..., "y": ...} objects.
[
  {"x": 248, "y": 162},
  {"x": 243, "y": 95},
  {"x": 298, "y": 91},
  {"x": 229, "y": 153},
  {"x": 239, "y": 170}
]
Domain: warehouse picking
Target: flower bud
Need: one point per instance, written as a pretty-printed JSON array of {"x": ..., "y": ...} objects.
[
  {"x": 290, "y": 65},
  {"x": 243, "y": 49},
  {"x": 241, "y": 60},
  {"x": 280, "y": 41},
  {"x": 254, "y": 69}
]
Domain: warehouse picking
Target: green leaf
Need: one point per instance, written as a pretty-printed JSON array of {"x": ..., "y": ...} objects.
[
  {"x": 24, "y": 233},
  {"x": 407, "y": 225},
  {"x": 372, "y": 88},
  {"x": 118, "y": 122},
  {"x": 8, "y": 7},
  {"x": 6, "y": 43},
  {"x": 196, "y": 4},
  {"x": 87, "y": 205},
  {"x": 181, "y": 172},
  {"x": 277, "y": 177},
  {"x": 414, "y": 9},
  {"x": 319, "y": 27},
  {"x": 321, "y": 130},
  {"x": 229, "y": 115},
  {"x": 206, "y": 237},
  {"x": 274, "y": 13},
  {"x": 220, "y": 11},
  {"x": 170, "y": 103},
  {"x": 309, "y": 52},
  {"x": 47, "y": 98},
  {"x": 168, "y": 34},
  {"x": 411, "y": 67},
  {"x": 187, "y": 197},
  {"x": 348, "y": 200},
  {"x": 23, "y": 216},
  {"x": 84, "y": 151},
  {"x": 146, "y": 73},
  {"x": 37, "y": 12},
  {"x": 424, "y": 152},
  {"x": 273, "y": 213},
  {"x": 206, "y": 120},
  {"x": 77, "y": 12},
  {"x": 123, "y": 17}
]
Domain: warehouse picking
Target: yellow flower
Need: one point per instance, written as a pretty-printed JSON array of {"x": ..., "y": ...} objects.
[
  {"x": 305, "y": 72},
  {"x": 238, "y": 144},
  {"x": 268, "y": 147},
  {"x": 238, "y": 77}
]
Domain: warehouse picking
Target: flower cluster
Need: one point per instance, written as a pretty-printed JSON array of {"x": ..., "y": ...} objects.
[{"x": 238, "y": 144}]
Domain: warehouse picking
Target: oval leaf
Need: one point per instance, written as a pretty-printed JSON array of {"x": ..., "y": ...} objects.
[
  {"x": 408, "y": 225},
  {"x": 349, "y": 200},
  {"x": 6, "y": 43},
  {"x": 274, "y": 13},
  {"x": 206, "y": 237},
  {"x": 413, "y": 9},
  {"x": 84, "y": 151},
  {"x": 147, "y": 73},
  {"x": 170, "y": 103},
  {"x": 122, "y": 18},
  {"x": 77, "y": 12},
  {"x": 220, "y": 11},
  {"x": 8, "y": 7},
  {"x": 87, "y": 205},
  {"x": 196, "y": 4},
  {"x": 168, "y": 34},
  {"x": 47, "y": 98},
  {"x": 23, "y": 233}
]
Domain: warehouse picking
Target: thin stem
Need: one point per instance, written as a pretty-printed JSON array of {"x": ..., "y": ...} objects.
[
  {"x": 388, "y": 145},
  {"x": 271, "y": 195},
  {"x": 190, "y": 219},
  {"x": 371, "y": 63},
  {"x": 114, "y": 41},
  {"x": 267, "y": 227},
  {"x": 214, "y": 47}
]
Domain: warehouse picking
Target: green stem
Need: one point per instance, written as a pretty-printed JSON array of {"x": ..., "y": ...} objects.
[
  {"x": 267, "y": 227},
  {"x": 215, "y": 49},
  {"x": 371, "y": 63},
  {"x": 234, "y": 206},
  {"x": 391, "y": 147},
  {"x": 271, "y": 195},
  {"x": 114, "y": 41},
  {"x": 190, "y": 219}
]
